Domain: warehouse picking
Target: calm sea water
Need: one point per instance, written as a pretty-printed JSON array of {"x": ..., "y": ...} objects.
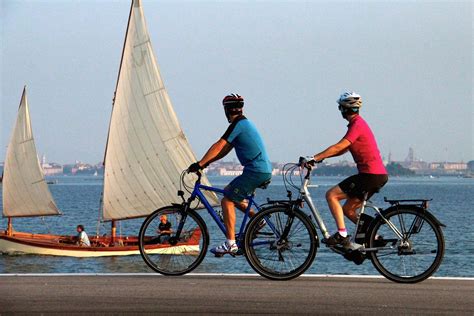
[{"x": 78, "y": 198}]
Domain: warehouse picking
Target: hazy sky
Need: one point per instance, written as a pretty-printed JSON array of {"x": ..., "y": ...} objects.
[{"x": 412, "y": 62}]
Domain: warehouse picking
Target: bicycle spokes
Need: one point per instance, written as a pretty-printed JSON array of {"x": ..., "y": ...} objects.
[
  {"x": 413, "y": 257},
  {"x": 179, "y": 248},
  {"x": 284, "y": 247}
]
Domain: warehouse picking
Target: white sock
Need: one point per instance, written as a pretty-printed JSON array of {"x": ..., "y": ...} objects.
[
  {"x": 230, "y": 242},
  {"x": 342, "y": 232}
]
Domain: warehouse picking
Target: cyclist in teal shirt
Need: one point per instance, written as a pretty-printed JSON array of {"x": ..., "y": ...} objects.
[{"x": 250, "y": 149}]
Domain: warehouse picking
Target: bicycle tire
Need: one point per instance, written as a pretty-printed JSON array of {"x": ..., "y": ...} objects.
[
  {"x": 277, "y": 259},
  {"x": 173, "y": 256},
  {"x": 419, "y": 257}
]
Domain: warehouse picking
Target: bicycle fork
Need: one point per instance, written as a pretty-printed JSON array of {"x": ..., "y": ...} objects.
[{"x": 182, "y": 220}]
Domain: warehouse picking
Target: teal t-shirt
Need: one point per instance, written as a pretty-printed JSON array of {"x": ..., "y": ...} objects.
[{"x": 249, "y": 147}]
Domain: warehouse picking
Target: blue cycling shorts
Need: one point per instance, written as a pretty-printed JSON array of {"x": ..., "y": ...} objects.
[{"x": 245, "y": 184}]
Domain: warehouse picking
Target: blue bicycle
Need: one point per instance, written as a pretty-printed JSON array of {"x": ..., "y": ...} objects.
[{"x": 279, "y": 242}]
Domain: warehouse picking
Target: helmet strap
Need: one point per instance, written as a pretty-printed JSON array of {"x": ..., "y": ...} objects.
[
  {"x": 346, "y": 112},
  {"x": 232, "y": 111}
]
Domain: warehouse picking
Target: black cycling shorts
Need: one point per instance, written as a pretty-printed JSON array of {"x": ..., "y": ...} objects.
[{"x": 357, "y": 185}]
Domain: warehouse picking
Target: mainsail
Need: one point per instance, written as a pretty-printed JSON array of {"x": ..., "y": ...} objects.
[
  {"x": 146, "y": 147},
  {"x": 25, "y": 193}
]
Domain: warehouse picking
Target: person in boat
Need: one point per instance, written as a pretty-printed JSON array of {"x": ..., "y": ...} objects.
[
  {"x": 372, "y": 175},
  {"x": 250, "y": 149},
  {"x": 82, "y": 239},
  {"x": 164, "y": 229}
]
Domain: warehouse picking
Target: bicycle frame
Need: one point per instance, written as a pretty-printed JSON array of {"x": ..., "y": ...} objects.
[
  {"x": 197, "y": 193},
  {"x": 304, "y": 192},
  {"x": 306, "y": 196}
]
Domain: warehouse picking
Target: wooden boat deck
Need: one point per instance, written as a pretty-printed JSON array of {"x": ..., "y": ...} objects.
[
  {"x": 60, "y": 245},
  {"x": 98, "y": 243}
]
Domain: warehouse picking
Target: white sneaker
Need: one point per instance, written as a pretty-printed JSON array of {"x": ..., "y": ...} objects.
[{"x": 225, "y": 248}]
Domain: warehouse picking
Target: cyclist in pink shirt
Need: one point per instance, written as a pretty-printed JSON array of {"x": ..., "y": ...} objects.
[{"x": 360, "y": 141}]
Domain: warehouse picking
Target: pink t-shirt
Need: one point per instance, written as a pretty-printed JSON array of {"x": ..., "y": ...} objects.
[{"x": 363, "y": 147}]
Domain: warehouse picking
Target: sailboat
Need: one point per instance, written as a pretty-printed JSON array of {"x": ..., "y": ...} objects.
[
  {"x": 145, "y": 153},
  {"x": 25, "y": 191}
]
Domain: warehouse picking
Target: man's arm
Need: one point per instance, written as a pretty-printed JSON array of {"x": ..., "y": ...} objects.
[
  {"x": 217, "y": 151},
  {"x": 335, "y": 150}
]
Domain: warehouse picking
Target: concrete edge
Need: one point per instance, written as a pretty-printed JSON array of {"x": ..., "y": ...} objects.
[{"x": 213, "y": 274}]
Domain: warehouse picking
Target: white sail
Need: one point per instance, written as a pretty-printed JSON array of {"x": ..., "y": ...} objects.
[
  {"x": 146, "y": 147},
  {"x": 25, "y": 193}
]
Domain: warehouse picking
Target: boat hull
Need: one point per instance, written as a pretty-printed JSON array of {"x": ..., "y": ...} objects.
[{"x": 54, "y": 245}]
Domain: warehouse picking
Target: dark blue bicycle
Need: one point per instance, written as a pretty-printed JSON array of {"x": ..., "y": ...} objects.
[{"x": 283, "y": 249}]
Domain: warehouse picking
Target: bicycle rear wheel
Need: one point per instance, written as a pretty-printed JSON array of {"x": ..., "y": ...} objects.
[
  {"x": 273, "y": 255},
  {"x": 417, "y": 255},
  {"x": 172, "y": 254}
]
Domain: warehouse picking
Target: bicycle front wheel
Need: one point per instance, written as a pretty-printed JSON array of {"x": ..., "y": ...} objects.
[
  {"x": 284, "y": 247},
  {"x": 177, "y": 250},
  {"x": 415, "y": 256}
]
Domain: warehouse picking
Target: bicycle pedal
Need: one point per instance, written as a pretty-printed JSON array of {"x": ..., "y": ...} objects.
[
  {"x": 354, "y": 246},
  {"x": 233, "y": 254},
  {"x": 355, "y": 256},
  {"x": 338, "y": 248}
]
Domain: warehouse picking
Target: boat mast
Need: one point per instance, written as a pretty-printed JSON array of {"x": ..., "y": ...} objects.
[
  {"x": 10, "y": 224},
  {"x": 114, "y": 231},
  {"x": 9, "y": 227},
  {"x": 114, "y": 224}
]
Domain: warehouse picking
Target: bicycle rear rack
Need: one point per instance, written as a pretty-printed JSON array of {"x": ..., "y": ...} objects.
[{"x": 424, "y": 203}]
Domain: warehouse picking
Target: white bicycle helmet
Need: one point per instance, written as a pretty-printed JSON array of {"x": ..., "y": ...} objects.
[{"x": 349, "y": 100}]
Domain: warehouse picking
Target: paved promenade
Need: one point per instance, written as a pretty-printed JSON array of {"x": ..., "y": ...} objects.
[{"x": 244, "y": 294}]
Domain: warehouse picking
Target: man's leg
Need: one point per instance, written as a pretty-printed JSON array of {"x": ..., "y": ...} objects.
[
  {"x": 242, "y": 206},
  {"x": 228, "y": 210},
  {"x": 350, "y": 208},
  {"x": 333, "y": 196}
]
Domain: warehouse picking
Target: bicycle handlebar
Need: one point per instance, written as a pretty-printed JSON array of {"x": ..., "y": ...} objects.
[
  {"x": 308, "y": 162},
  {"x": 199, "y": 175}
]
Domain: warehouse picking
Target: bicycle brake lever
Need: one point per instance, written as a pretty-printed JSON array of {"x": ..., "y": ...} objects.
[
  {"x": 181, "y": 195},
  {"x": 301, "y": 161}
]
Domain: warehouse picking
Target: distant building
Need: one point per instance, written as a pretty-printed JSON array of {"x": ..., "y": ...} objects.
[
  {"x": 225, "y": 172},
  {"x": 448, "y": 166},
  {"x": 51, "y": 169},
  {"x": 344, "y": 163},
  {"x": 413, "y": 163},
  {"x": 411, "y": 155},
  {"x": 83, "y": 169}
]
